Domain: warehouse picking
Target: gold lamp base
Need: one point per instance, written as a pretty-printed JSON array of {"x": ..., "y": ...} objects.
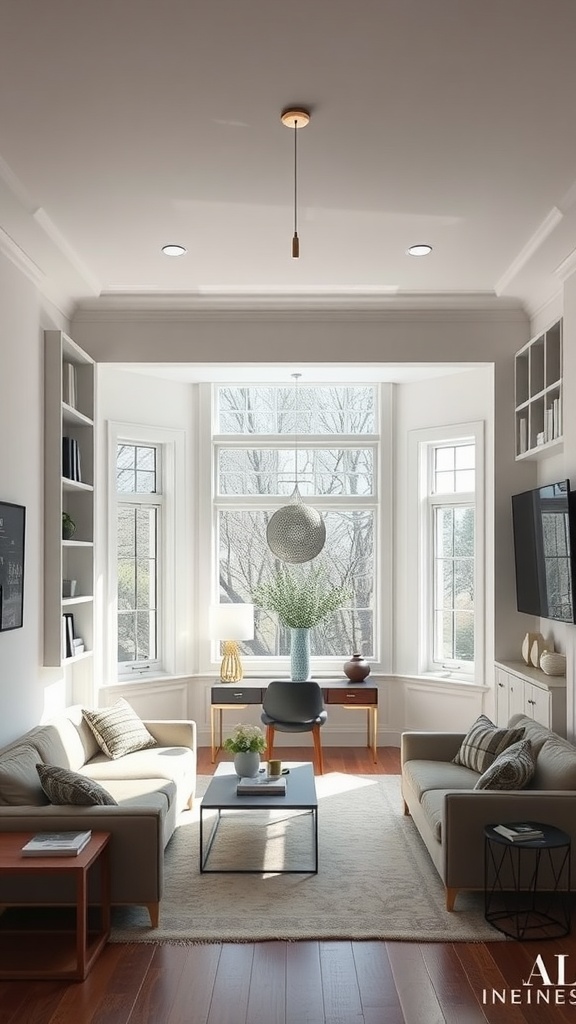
[{"x": 231, "y": 667}]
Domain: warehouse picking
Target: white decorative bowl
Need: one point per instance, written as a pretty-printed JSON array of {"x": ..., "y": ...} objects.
[{"x": 552, "y": 663}]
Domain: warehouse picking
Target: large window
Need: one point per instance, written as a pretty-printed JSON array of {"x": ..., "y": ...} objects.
[
  {"x": 451, "y": 527},
  {"x": 139, "y": 524},
  {"x": 327, "y": 439}
]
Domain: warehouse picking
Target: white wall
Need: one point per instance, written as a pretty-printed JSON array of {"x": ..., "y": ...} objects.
[
  {"x": 450, "y": 400},
  {"x": 26, "y": 689}
]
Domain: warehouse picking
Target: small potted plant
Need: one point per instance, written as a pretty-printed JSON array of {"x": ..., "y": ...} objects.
[{"x": 247, "y": 742}]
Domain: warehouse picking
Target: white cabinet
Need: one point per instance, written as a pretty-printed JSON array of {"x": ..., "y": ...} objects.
[
  {"x": 69, "y": 487},
  {"x": 521, "y": 689},
  {"x": 538, "y": 394}
]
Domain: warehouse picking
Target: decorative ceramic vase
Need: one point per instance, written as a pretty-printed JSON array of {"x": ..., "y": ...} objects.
[
  {"x": 300, "y": 655},
  {"x": 553, "y": 663},
  {"x": 536, "y": 650},
  {"x": 356, "y": 669},
  {"x": 247, "y": 764},
  {"x": 527, "y": 646},
  {"x": 68, "y": 526}
]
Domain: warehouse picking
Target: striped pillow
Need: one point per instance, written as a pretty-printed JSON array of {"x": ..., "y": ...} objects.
[
  {"x": 512, "y": 769},
  {"x": 118, "y": 730},
  {"x": 64, "y": 787},
  {"x": 483, "y": 744}
]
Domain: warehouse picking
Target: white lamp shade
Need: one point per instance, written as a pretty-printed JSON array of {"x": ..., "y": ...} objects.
[{"x": 231, "y": 622}]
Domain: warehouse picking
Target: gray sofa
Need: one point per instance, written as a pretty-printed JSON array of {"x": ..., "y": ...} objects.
[
  {"x": 450, "y": 815},
  {"x": 150, "y": 786}
]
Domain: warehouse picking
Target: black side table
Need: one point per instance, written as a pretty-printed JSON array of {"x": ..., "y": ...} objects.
[{"x": 527, "y": 884}]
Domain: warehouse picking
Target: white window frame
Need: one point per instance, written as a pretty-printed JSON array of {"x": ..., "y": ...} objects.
[
  {"x": 171, "y": 586},
  {"x": 208, "y": 443},
  {"x": 421, "y": 446}
]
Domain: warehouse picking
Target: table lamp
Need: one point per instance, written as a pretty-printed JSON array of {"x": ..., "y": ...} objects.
[{"x": 230, "y": 623}]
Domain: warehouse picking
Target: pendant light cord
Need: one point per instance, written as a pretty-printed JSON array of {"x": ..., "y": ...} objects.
[{"x": 296, "y": 177}]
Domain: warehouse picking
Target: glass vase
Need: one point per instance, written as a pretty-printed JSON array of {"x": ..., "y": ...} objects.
[{"x": 300, "y": 655}]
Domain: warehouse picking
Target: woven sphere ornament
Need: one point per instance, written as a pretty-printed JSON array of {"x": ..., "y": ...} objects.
[{"x": 296, "y": 533}]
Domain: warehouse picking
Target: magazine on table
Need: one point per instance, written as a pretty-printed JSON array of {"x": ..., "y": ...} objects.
[
  {"x": 267, "y": 785},
  {"x": 56, "y": 844},
  {"x": 519, "y": 832}
]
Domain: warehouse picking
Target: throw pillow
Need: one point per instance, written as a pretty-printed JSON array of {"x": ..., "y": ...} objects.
[
  {"x": 118, "y": 729},
  {"x": 19, "y": 783},
  {"x": 512, "y": 769},
  {"x": 484, "y": 741},
  {"x": 65, "y": 787}
]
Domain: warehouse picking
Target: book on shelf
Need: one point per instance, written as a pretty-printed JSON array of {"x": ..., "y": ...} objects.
[
  {"x": 56, "y": 844},
  {"x": 69, "y": 384},
  {"x": 518, "y": 832},
  {"x": 71, "y": 468},
  {"x": 265, "y": 785}
]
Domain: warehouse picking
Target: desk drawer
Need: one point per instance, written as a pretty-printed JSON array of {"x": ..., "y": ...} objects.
[
  {"x": 352, "y": 695},
  {"x": 232, "y": 694}
]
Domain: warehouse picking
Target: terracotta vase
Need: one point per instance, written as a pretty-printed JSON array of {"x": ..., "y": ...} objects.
[{"x": 357, "y": 668}]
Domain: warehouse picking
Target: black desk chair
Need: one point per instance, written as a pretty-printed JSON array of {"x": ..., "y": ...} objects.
[{"x": 294, "y": 707}]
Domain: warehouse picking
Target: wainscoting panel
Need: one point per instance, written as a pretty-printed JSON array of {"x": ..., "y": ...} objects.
[{"x": 442, "y": 709}]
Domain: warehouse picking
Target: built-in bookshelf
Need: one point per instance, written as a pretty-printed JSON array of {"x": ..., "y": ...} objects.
[
  {"x": 69, "y": 488},
  {"x": 538, "y": 394}
]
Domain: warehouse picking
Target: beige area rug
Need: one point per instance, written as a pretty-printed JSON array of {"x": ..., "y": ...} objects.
[{"x": 375, "y": 879}]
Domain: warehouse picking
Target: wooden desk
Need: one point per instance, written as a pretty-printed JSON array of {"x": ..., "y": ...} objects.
[
  {"x": 59, "y": 953},
  {"x": 337, "y": 693}
]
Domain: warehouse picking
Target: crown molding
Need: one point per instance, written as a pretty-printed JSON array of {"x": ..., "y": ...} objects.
[
  {"x": 346, "y": 306},
  {"x": 545, "y": 228},
  {"x": 21, "y": 260}
]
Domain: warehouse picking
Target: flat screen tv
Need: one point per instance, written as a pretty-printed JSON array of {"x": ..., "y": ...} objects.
[{"x": 544, "y": 548}]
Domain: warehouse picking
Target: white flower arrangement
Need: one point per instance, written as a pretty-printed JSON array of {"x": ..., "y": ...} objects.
[{"x": 244, "y": 739}]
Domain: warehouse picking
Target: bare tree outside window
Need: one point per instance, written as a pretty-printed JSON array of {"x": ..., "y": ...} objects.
[{"x": 331, "y": 430}]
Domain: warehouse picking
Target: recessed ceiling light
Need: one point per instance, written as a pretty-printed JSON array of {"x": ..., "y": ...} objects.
[
  {"x": 174, "y": 250},
  {"x": 419, "y": 250}
]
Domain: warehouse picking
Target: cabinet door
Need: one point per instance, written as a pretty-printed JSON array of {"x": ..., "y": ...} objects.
[
  {"x": 538, "y": 704},
  {"x": 516, "y": 700},
  {"x": 501, "y": 697}
]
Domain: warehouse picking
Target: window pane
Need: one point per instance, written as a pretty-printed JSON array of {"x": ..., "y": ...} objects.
[
  {"x": 302, "y": 409},
  {"x": 136, "y": 469},
  {"x": 245, "y": 559},
  {"x": 444, "y": 483},
  {"x": 326, "y": 471},
  {"x": 137, "y": 571},
  {"x": 444, "y": 459},
  {"x": 465, "y": 481},
  {"x": 453, "y": 584},
  {"x": 465, "y": 456}
]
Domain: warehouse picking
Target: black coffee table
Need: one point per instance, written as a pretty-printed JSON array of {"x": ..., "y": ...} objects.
[{"x": 221, "y": 797}]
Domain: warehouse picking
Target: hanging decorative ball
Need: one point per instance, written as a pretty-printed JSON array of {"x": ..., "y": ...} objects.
[
  {"x": 296, "y": 533},
  {"x": 356, "y": 669}
]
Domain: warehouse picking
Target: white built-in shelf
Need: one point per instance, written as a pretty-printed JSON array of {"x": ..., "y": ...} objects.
[
  {"x": 538, "y": 395},
  {"x": 69, "y": 402}
]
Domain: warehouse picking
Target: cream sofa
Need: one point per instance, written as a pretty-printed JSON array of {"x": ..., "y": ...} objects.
[
  {"x": 451, "y": 816},
  {"x": 150, "y": 786}
]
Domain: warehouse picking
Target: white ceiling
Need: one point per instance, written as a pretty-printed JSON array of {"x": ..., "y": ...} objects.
[
  {"x": 126, "y": 125},
  {"x": 262, "y": 373}
]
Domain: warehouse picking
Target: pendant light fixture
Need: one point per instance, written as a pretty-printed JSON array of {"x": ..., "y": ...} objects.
[
  {"x": 296, "y": 533},
  {"x": 295, "y": 119}
]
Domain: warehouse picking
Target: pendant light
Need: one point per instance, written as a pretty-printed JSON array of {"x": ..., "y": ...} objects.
[
  {"x": 296, "y": 533},
  {"x": 295, "y": 119}
]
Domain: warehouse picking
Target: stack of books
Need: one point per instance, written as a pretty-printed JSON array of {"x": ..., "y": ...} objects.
[
  {"x": 56, "y": 844},
  {"x": 264, "y": 785},
  {"x": 522, "y": 831}
]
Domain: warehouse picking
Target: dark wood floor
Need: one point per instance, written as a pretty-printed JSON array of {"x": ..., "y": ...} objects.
[{"x": 307, "y": 982}]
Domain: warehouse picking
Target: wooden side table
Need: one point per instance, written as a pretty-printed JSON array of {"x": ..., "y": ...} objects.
[{"x": 60, "y": 953}]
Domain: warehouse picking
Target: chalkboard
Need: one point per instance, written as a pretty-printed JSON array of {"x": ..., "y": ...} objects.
[{"x": 12, "y": 530}]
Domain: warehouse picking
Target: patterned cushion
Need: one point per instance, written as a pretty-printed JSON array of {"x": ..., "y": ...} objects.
[
  {"x": 512, "y": 769},
  {"x": 483, "y": 744},
  {"x": 65, "y": 787},
  {"x": 118, "y": 730}
]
